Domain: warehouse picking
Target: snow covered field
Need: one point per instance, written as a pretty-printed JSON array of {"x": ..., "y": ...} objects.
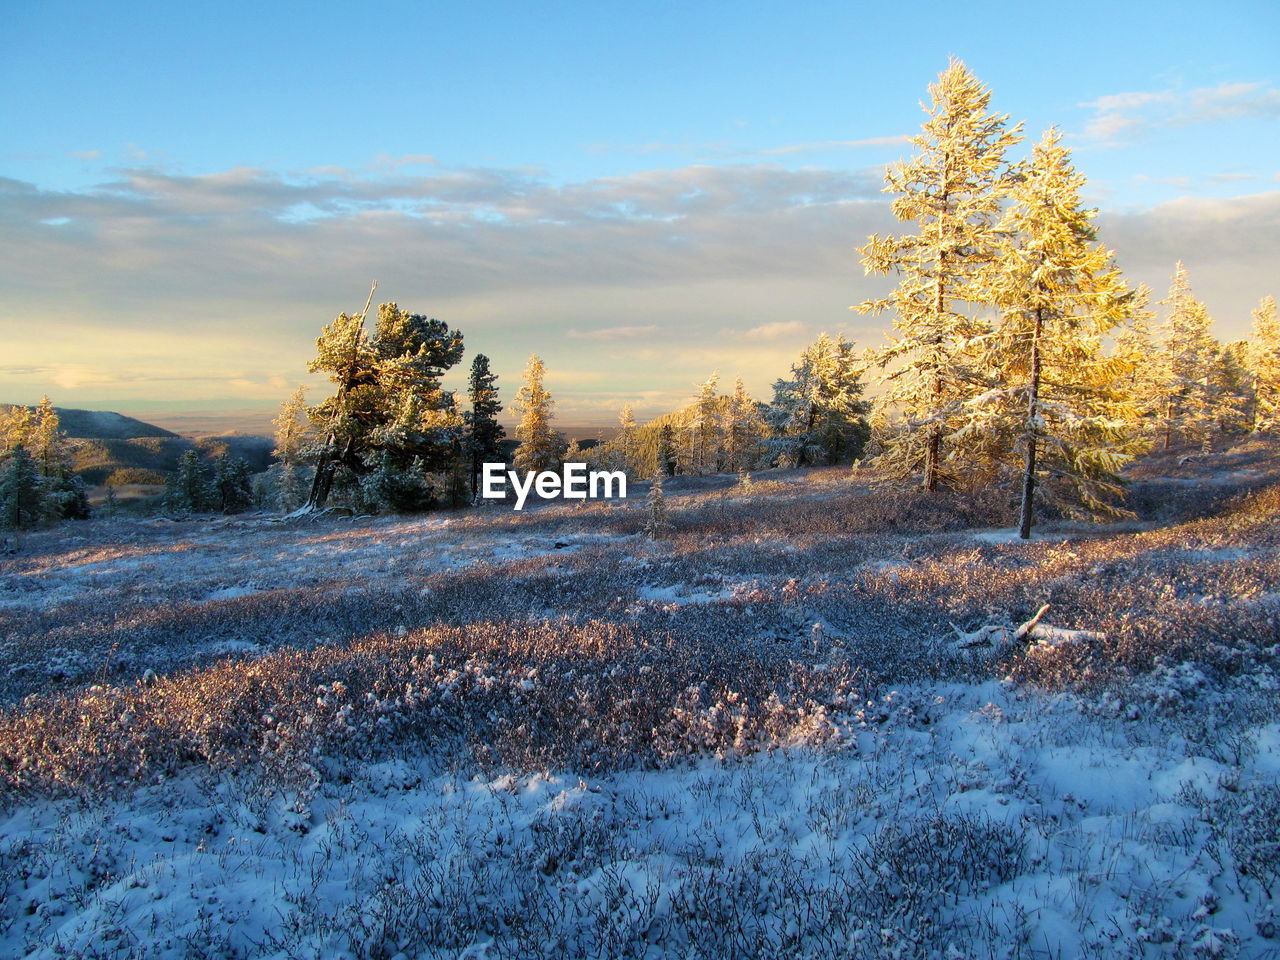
[{"x": 805, "y": 725}]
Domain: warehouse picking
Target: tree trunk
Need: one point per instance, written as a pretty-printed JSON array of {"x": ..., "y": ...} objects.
[
  {"x": 314, "y": 498},
  {"x": 1033, "y": 412},
  {"x": 934, "y": 451}
]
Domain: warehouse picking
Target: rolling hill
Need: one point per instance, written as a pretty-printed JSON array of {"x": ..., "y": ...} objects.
[{"x": 108, "y": 443}]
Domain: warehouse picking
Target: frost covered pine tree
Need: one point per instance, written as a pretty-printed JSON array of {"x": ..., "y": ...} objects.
[
  {"x": 657, "y": 525},
  {"x": 541, "y": 447},
  {"x": 1264, "y": 365},
  {"x": 389, "y": 412},
  {"x": 1136, "y": 347},
  {"x": 700, "y": 451},
  {"x": 818, "y": 416},
  {"x": 1231, "y": 388},
  {"x": 38, "y": 431},
  {"x": 741, "y": 430},
  {"x": 1056, "y": 401},
  {"x": 293, "y": 433},
  {"x": 484, "y": 433},
  {"x": 625, "y": 443},
  {"x": 1187, "y": 354},
  {"x": 17, "y": 429},
  {"x": 952, "y": 190},
  {"x": 232, "y": 490}
]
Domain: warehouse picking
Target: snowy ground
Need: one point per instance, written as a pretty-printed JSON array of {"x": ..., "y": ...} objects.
[{"x": 862, "y": 756}]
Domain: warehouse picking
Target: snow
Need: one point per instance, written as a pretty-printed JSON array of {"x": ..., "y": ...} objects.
[
  {"x": 1108, "y": 827},
  {"x": 952, "y": 817}
]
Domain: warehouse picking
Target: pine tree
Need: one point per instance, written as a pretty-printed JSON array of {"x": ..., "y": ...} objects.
[
  {"x": 952, "y": 190},
  {"x": 293, "y": 436},
  {"x": 1231, "y": 389},
  {"x": 232, "y": 490},
  {"x": 818, "y": 416},
  {"x": 626, "y": 441},
  {"x": 1055, "y": 399},
  {"x": 388, "y": 397},
  {"x": 64, "y": 495},
  {"x": 1264, "y": 365},
  {"x": 657, "y": 525},
  {"x": 1137, "y": 349},
  {"x": 48, "y": 443},
  {"x": 21, "y": 496},
  {"x": 1188, "y": 350},
  {"x": 17, "y": 429},
  {"x": 742, "y": 430},
  {"x": 665, "y": 459},
  {"x": 700, "y": 451},
  {"x": 541, "y": 447},
  {"x": 187, "y": 490},
  {"x": 484, "y": 434}
]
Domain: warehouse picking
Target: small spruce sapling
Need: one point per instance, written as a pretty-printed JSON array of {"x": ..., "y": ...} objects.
[{"x": 656, "y": 525}]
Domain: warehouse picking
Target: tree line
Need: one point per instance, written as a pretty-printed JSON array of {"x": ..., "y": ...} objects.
[
  {"x": 37, "y": 469},
  {"x": 1019, "y": 357}
]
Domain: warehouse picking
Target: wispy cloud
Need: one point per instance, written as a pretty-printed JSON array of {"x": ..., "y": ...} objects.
[
  {"x": 155, "y": 280},
  {"x": 827, "y": 145},
  {"x": 614, "y": 333},
  {"x": 1123, "y": 116},
  {"x": 774, "y": 331}
]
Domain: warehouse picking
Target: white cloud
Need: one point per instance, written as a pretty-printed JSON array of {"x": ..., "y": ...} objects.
[
  {"x": 1122, "y": 116},
  {"x": 774, "y": 331},
  {"x": 614, "y": 333},
  {"x": 821, "y": 145},
  {"x": 159, "y": 287}
]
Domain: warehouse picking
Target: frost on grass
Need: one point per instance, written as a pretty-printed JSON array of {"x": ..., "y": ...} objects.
[{"x": 816, "y": 719}]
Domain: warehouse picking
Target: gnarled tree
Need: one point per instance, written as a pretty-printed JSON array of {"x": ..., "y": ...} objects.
[{"x": 389, "y": 411}]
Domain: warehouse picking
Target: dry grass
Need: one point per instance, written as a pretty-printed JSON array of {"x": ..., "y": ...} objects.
[
  {"x": 576, "y": 664},
  {"x": 525, "y": 696}
]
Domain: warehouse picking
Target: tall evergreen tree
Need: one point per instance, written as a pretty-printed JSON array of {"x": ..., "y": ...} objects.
[
  {"x": 626, "y": 459},
  {"x": 1188, "y": 351},
  {"x": 665, "y": 460},
  {"x": 1137, "y": 349},
  {"x": 1264, "y": 364},
  {"x": 187, "y": 491},
  {"x": 21, "y": 497},
  {"x": 49, "y": 443},
  {"x": 742, "y": 430},
  {"x": 63, "y": 495},
  {"x": 952, "y": 190},
  {"x": 17, "y": 429},
  {"x": 1232, "y": 389},
  {"x": 541, "y": 447},
  {"x": 699, "y": 451},
  {"x": 818, "y": 416},
  {"x": 484, "y": 433},
  {"x": 1054, "y": 394},
  {"x": 293, "y": 436},
  {"x": 232, "y": 490}
]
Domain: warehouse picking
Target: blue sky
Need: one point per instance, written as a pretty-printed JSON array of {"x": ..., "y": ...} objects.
[{"x": 640, "y": 192}]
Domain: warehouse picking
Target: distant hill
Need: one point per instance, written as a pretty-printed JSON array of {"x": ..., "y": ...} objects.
[
  {"x": 101, "y": 424},
  {"x": 107, "y": 443},
  {"x": 98, "y": 459}
]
